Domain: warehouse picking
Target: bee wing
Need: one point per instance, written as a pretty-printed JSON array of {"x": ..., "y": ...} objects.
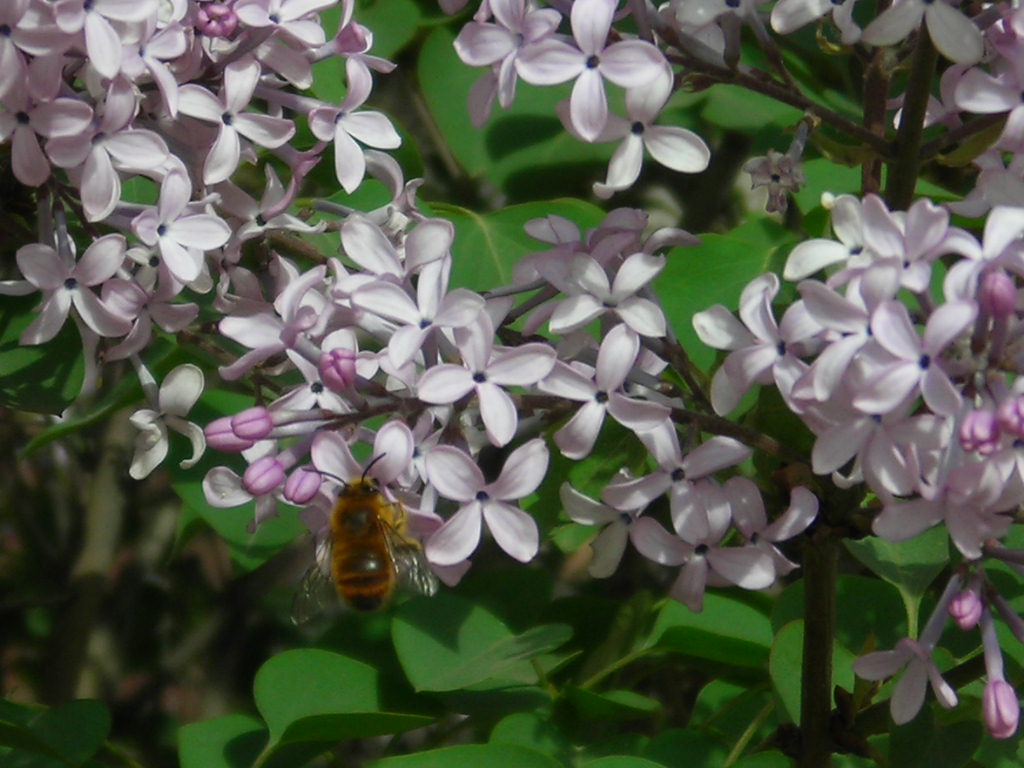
[
  {"x": 316, "y": 590},
  {"x": 411, "y": 565}
]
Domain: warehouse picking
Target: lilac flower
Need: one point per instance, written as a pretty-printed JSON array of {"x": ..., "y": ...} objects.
[
  {"x": 705, "y": 563},
  {"x": 65, "y": 285},
  {"x": 954, "y": 35},
  {"x": 287, "y": 17},
  {"x": 142, "y": 308},
  {"x": 610, "y": 544},
  {"x": 518, "y": 25},
  {"x": 485, "y": 373},
  {"x": 269, "y": 212},
  {"x": 592, "y": 295},
  {"x": 789, "y": 15},
  {"x": 818, "y": 253},
  {"x": 672, "y": 146},
  {"x": 178, "y": 393},
  {"x": 749, "y": 517},
  {"x": 344, "y": 125},
  {"x": 915, "y": 361},
  {"x": 102, "y": 41},
  {"x": 601, "y": 394},
  {"x": 109, "y": 146},
  {"x": 695, "y": 500},
  {"x": 627, "y": 63},
  {"x": 434, "y": 308},
  {"x": 762, "y": 350},
  {"x": 149, "y": 56},
  {"x": 22, "y": 122},
  {"x": 914, "y": 657},
  {"x": 391, "y": 456},
  {"x": 456, "y": 476},
  {"x": 228, "y": 112},
  {"x": 181, "y": 234}
]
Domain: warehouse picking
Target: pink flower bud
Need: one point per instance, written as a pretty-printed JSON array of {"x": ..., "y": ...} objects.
[
  {"x": 1011, "y": 415},
  {"x": 979, "y": 431},
  {"x": 216, "y": 20},
  {"x": 302, "y": 485},
  {"x": 263, "y": 475},
  {"x": 1001, "y": 708},
  {"x": 221, "y": 437},
  {"x": 997, "y": 294},
  {"x": 965, "y": 609},
  {"x": 252, "y": 423},
  {"x": 338, "y": 368}
]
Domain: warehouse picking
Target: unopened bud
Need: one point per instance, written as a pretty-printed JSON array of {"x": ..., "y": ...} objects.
[
  {"x": 252, "y": 423},
  {"x": 1001, "y": 709},
  {"x": 263, "y": 475},
  {"x": 979, "y": 431},
  {"x": 216, "y": 20},
  {"x": 338, "y": 369},
  {"x": 997, "y": 294},
  {"x": 965, "y": 609},
  {"x": 221, "y": 437},
  {"x": 302, "y": 485}
]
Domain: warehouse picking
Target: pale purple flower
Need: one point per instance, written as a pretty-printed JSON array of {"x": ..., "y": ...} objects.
[
  {"x": 434, "y": 308},
  {"x": 108, "y": 146},
  {"x": 627, "y": 63},
  {"x": 955, "y": 36},
  {"x": 695, "y": 500},
  {"x": 149, "y": 56},
  {"x": 389, "y": 460},
  {"x": 228, "y": 112},
  {"x": 486, "y": 373},
  {"x": 915, "y": 364},
  {"x": 456, "y": 476},
  {"x": 610, "y": 544},
  {"x": 518, "y": 25},
  {"x": 179, "y": 391},
  {"x": 102, "y": 41},
  {"x": 705, "y": 563},
  {"x": 601, "y": 393},
  {"x": 291, "y": 18},
  {"x": 270, "y": 212},
  {"x": 762, "y": 350},
  {"x": 22, "y": 121},
  {"x": 749, "y": 517},
  {"x": 142, "y": 308},
  {"x": 914, "y": 657},
  {"x": 790, "y": 15},
  {"x": 593, "y": 295},
  {"x": 818, "y": 253},
  {"x": 368, "y": 246},
  {"x": 672, "y": 146},
  {"x": 345, "y": 124},
  {"x": 65, "y": 284},
  {"x": 181, "y": 234}
]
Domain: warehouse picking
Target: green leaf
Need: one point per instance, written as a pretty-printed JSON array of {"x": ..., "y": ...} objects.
[
  {"x": 488, "y": 246},
  {"x": 475, "y": 755},
  {"x": 716, "y": 272},
  {"x": 310, "y": 695},
  {"x": 522, "y": 149},
  {"x": 911, "y": 566},
  {"x": 76, "y": 730},
  {"x": 786, "y": 667},
  {"x": 43, "y": 378},
  {"x": 925, "y": 743},
  {"x": 729, "y": 106},
  {"x": 531, "y": 730},
  {"x": 612, "y": 705},
  {"x": 445, "y": 643},
  {"x": 765, "y": 760},
  {"x": 233, "y": 741},
  {"x": 622, "y": 761},
  {"x": 866, "y": 608},
  {"x": 678, "y": 748},
  {"x": 726, "y": 631}
]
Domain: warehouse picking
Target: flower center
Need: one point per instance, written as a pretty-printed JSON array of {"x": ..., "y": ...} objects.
[
  {"x": 593, "y": 62},
  {"x": 678, "y": 475},
  {"x": 316, "y": 387},
  {"x": 482, "y": 496},
  {"x": 70, "y": 284},
  {"x": 154, "y": 261},
  {"x": 637, "y": 129},
  {"x": 227, "y": 118},
  {"x": 924, "y": 361},
  {"x": 601, "y": 397},
  {"x": 479, "y": 377}
]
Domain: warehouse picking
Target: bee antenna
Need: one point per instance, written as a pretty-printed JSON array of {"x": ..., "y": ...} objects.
[
  {"x": 330, "y": 475},
  {"x": 373, "y": 461}
]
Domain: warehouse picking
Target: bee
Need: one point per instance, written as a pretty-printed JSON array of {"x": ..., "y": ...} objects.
[{"x": 366, "y": 556}]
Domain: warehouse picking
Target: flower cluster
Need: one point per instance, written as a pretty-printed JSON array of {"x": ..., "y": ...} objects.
[{"x": 906, "y": 374}]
